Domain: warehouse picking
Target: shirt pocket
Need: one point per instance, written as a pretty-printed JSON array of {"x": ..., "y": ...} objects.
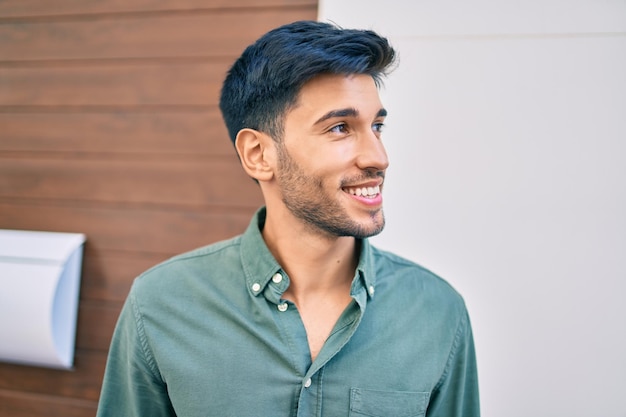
[{"x": 373, "y": 403}]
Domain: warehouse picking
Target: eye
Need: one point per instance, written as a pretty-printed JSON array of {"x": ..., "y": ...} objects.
[
  {"x": 339, "y": 128},
  {"x": 378, "y": 127}
]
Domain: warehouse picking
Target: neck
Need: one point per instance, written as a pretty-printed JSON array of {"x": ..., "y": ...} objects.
[{"x": 317, "y": 263}]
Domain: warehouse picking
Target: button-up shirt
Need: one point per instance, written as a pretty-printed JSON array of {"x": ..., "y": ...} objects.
[{"x": 207, "y": 333}]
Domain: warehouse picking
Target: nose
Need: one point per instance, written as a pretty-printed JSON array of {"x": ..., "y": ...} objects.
[{"x": 371, "y": 153}]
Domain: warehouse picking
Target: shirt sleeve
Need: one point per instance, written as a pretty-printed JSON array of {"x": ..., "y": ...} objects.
[
  {"x": 456, "y": 394},
  {"x": 132, "y": 385}
]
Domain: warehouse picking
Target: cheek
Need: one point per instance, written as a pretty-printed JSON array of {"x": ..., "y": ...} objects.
[
  {"x": 327, "y": 164},
  {"x": 345, "y": 152}
]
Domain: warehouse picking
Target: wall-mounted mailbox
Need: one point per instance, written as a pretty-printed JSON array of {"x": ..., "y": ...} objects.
[{"x": 39, "y": 285}]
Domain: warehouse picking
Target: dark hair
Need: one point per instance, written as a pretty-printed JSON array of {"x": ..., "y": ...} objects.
[{"x": 265, "y": 81}]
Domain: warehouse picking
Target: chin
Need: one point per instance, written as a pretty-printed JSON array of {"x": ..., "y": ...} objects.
[{"x": 371, "y": 228}]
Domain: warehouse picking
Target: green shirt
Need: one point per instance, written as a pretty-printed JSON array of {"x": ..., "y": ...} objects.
[{"x": 208, "y": 334}]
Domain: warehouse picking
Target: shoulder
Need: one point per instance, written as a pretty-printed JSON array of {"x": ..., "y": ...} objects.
[
  {"x": 414, "y": 280},
  {"x": 182, "y": 270}
]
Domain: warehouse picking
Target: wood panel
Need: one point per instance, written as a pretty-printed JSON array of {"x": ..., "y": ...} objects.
[
  {"x": 37, "y": 8},
  {"x": 109, "y": 126},
  {"x": 173, "y": 181},
  {"x": 83, "y": 382},
  {"x": 16, "y": 403},
  {"x": 214, "y": 33},
  {"x": 107, "y": 275},
  {"x": 172, "y": 131},
  {"x": 144, "y": 230},
  {"x": 96, "y": 338},
  {"x": 171, "y": 83}
]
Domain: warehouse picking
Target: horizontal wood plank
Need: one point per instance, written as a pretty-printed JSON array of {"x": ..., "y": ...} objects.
[
  {"x": 156, "y": 231},
  {"x": 185, "y": 83},
  {"x": 91, "y": 337},
  {"x": 107, "y": 275},
  {"x": 129, "y": 131},
  {"x": 173, "y": 182},
  {"x": 26, "y": 8},
  {"x": 19, "y": 404},
  {"x": 82, "y": 382},
  {"x": 214, "y": 33}
]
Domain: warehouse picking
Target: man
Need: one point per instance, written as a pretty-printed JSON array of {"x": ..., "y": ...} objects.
[{"x": 300, "y": 315}]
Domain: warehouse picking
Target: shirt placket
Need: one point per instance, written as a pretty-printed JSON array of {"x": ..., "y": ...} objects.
[{"x": 311, "y": 375}]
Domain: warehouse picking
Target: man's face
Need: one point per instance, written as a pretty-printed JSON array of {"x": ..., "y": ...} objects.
[{"x": 331, "y": 160}]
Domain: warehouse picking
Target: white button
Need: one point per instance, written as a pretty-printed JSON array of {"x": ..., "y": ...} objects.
[
  {"x": 282, "y": 307},
  {"x": 277, "y": 278},
  {"x": 371, "y": 290},
  {"x": 256, "y": 287},
  {"x": 307, "y": 383}
]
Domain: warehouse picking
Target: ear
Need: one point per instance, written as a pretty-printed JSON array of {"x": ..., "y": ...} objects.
[{"x": 255, "y": 151}]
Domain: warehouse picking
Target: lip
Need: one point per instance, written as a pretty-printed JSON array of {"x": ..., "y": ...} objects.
[{"x": 370, "y": 202}]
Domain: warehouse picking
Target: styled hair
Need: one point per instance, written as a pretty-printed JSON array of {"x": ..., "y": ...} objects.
[{"x": 265, "y": 81}]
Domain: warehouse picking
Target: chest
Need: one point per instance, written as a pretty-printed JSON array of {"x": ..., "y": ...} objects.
[
  {"x": 230, "y": 367},
  {"x": 319, "y": 320}
]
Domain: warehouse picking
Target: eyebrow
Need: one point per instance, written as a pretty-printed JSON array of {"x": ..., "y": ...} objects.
[{"x": 347, "y": 112}]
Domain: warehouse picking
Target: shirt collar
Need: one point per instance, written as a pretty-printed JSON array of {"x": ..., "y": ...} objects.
[
  {"x": 260, "y": 266},
  {"x": 365, "y": 271}
]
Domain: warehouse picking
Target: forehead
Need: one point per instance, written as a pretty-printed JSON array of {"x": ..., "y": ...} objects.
[{"x": 329, "y": 92}]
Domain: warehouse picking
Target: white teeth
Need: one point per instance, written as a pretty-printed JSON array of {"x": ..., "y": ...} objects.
[{"x": 364, "y": 191}]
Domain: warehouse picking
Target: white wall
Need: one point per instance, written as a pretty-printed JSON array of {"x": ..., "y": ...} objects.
[{"x": 507, "y": 139}]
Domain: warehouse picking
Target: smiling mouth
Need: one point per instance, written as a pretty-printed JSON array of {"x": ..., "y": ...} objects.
[{"x": 366, "y": 192}]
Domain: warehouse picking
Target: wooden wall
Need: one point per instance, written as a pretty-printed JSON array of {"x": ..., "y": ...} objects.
[{"x": 109, "y": 126}]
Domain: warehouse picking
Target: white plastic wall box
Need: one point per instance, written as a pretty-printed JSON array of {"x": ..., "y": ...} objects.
[{"x": 39, "y": 292}]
